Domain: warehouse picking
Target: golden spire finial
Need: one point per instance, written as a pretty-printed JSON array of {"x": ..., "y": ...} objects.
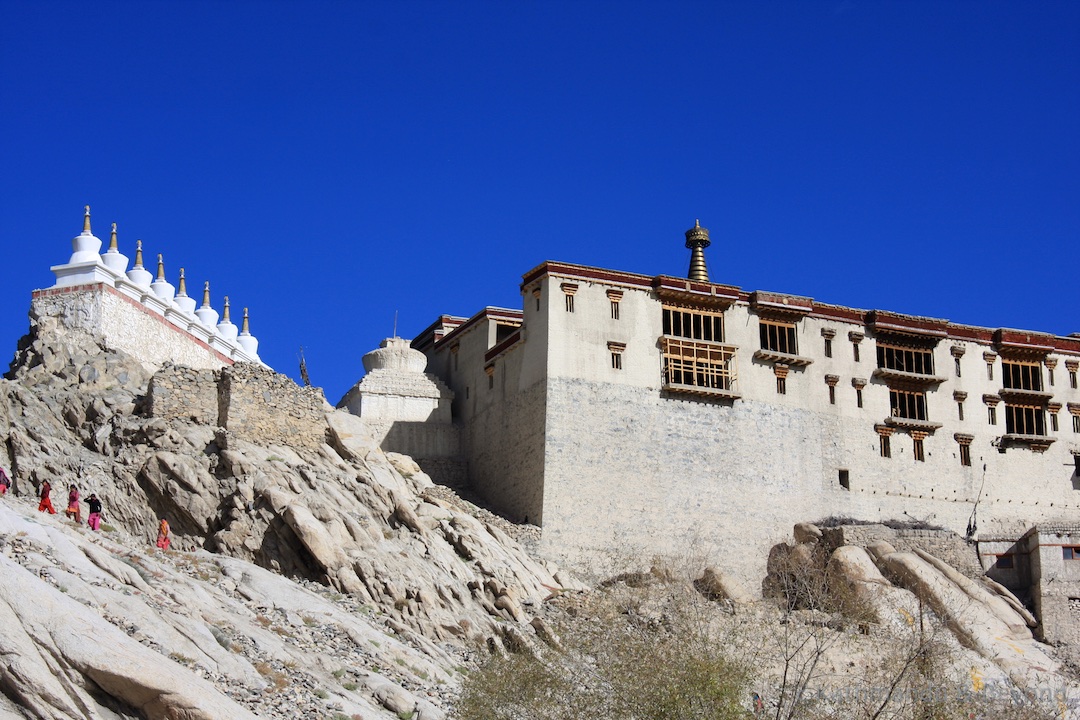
[
  {"x": 138, "y": 253},
  {"x": 244, "y": 327},
  {"x": 160, "y": 268},
  {"x": 697, "y": 239},
  {"x": 183, "y": 284},
  {"x": 206, "y": 294},
  {"x": 86, "y": 221},
  {"x": 112, "y": 241},
  {"x": 225, "y": 313}
]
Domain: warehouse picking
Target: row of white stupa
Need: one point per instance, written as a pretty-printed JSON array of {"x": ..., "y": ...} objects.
[{"x": 87, "y": 266}]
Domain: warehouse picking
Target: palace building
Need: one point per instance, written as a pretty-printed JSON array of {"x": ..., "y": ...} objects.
[{"x": 620, "y": 411}]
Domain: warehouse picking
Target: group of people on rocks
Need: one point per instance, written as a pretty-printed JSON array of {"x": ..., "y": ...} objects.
[{"x": 74, "y": 510}]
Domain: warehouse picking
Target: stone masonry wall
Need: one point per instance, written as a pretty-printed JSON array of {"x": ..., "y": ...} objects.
[
  {"x": 942, "y": 544},
  {"x": 177, "y": 391},
  {"x": 257, "y": 404},
  {"x": 125, "y": 325}
]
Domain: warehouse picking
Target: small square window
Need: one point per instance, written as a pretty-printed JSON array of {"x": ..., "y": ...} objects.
[
  {"x": 1070, "y": 552},
  {"x": 1004, "y": 562}
]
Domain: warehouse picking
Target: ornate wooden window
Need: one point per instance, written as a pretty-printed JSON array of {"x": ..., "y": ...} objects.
[
  {"x": 694, "y": 324},
  {"x": 778, "y": 337},
  {"x": 910, "y": 360},
  {"x": 616, "y": 349},
  {"x": 1020, "y": 375},
  {"x": 910, "y": 404},
  {"x": 569, "y": 289},
  {"x": 1025, "y": 420},
  {"x": 695, "y": 358},
  {"x": 964, "y": 441},
  {"x": 614, "y": 296},
  {"x": 828, "y": 334}
]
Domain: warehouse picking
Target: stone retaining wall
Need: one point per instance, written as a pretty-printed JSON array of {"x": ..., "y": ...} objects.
[
  {"x": 177, "y": 391},
  {"x": 251, "y": 401},
  {"x": 259, "y": 405}
]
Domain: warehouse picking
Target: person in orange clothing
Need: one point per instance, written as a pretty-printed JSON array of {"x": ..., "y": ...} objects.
[
  {"x": 163, "y": 534},
  {"x": 46, "y": 500},
  {"x": 73, "y": 511}
]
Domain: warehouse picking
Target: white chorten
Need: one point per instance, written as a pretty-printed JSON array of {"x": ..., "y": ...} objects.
[
  {"x": 138, "y": 274},
  {"x": 226, "y": 328},
  {"x": 246, "y": 339},
  {"x": 396, "y": 388},
  {"x": 112, "y": 258},
  {"x": 185, "y": 302},
  {"x": 162, "y": 287},
  {"x": 207, "y": 315},
  {"x": 85, "y": 245}
]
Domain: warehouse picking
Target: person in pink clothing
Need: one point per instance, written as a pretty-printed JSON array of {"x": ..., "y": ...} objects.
[{"x": 94, "y": 518}]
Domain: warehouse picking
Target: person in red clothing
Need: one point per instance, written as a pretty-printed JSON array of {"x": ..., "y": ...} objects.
[
  {"x": 163, "y": 534},
  {"x": 46, "y": 500},
  {"x": 5, "y": 482}
]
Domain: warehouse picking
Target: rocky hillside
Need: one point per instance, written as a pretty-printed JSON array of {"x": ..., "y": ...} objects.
[{"x": 393, "y": 575}]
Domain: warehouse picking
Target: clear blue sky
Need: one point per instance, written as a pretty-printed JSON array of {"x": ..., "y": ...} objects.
[{"x": 330, "y": 164}]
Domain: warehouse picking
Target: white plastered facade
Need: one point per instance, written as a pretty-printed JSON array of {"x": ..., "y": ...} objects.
[{"x": 609, "y": 462}]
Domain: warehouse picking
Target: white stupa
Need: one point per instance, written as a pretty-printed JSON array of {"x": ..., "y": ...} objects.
[
  {"x": 185, "y": 302},
  {"x": 207, "y": 315},
  {"x": 226, "y": 328},
  {"x": 85, "y": 246},
  {"x": 246, "y": 339},
  {"x": 162, "y": 287},
  {"x": 112, "y": 258},
  {"x": 138, "y": 274}
]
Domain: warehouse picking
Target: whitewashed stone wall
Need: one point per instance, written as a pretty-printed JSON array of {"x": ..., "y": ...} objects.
[
  {"x": 123, "y": 324},
  {"x": 626, "y": 465}
]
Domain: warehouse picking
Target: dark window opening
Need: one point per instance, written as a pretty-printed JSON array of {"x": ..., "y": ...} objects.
[
  {"x": 965, "y": 455},
  {"x": 905, "y": 359},
  {"x": 778, "y": 338},
  {"x": 1004, "y": 562},
  {"x": 907, "y": 404},
  {"x": 886, "y": 448},
  {"x": 1025, "y": 420},
  {"x": 1021, "y": 376},
  {"x": 845, "y": 482},
  {"x": 917, "y": 450},
  {"x": 693, "y": 325},
  {"x": 828, "y": 347}
]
